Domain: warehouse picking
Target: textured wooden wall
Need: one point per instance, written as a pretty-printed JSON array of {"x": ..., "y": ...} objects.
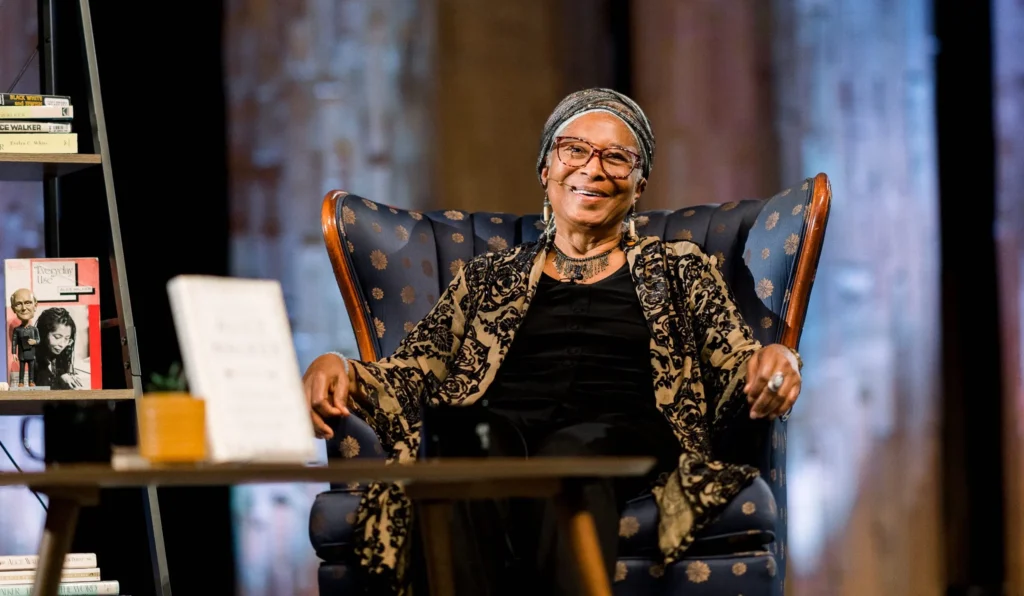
[
  {"x": 501, "y": 69},
  {"x": 854, "y": 93},
  {"x": 1008, "y": 17},
  {"x": 747, "y": 97},
  {"x": 497, "y": 83},
  {"x": 416, "y": 103},
  {"x": 321, "y": 96},
  {"x": 703, "y": 74},
  {"x": 440, "y": 104}
]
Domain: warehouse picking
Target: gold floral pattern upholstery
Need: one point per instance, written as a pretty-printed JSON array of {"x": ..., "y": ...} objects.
[
  {"x": 748, "y": 522},
  {"x": 402, "y": 260},
  {"x": 744, "y": 573}
]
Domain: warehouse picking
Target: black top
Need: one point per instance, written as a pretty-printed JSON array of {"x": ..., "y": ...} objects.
[
  {"x": 20, "y": 336},
  {"x": 582, "y": 353}
]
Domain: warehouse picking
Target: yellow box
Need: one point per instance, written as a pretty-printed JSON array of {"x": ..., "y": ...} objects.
[{"x": 172, "y": 428}]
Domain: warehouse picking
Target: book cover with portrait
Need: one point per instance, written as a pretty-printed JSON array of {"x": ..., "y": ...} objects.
[{"x": 53, "y": 323}]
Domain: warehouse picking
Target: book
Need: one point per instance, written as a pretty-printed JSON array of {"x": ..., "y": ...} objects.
[
  {"x": 71, "y": 561},
  {"x": 27, "y": 576},
  {"x": 112, "y": 587},
  {"x": 31, "y": 126},
  {"x": 29, "y": 99},
  {"x": 37, "y": 112},
  {"x": 239, "y": 356},
  {"x": 43, "y": 142},
  {"x": 57, "y": 302}
]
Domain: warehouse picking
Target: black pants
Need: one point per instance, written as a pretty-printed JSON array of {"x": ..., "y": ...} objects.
[
  {"x": 30, "y": 366},
  {"x": 513, "y": 546}
]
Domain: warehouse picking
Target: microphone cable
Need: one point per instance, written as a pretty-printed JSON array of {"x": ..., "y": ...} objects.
[{"x": 18, "y": 468}]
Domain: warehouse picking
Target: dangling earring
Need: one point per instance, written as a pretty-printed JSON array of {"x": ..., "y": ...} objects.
[
  {"x": 547, "y": 208},
  {"x": 632, "y": 223}
]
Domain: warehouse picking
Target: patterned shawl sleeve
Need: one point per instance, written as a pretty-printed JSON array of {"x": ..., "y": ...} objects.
[
  {"x": 725, "y": 340},
  {"x": 697, "y": 491},
  {"x": 390, "y": 391}
]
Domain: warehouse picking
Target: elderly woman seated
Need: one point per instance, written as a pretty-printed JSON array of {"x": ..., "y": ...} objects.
[{"x": 660, "y": 361}]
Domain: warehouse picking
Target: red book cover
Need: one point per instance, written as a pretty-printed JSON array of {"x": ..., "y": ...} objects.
[{"x": 53, "y": 324}]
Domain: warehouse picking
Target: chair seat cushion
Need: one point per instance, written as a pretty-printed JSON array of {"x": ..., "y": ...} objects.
[
  {"x": 751, "y": 574},
  {"x": 749, "y": 518},
  {"x": 637, "y": 576},
  {"x": 330, "y": 523}
]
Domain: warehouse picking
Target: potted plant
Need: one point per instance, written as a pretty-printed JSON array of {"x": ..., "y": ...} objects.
[{"x": 174, "y": 381}]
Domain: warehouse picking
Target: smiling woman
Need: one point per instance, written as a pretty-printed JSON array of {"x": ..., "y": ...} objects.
[{"x": 591, "y": 341}]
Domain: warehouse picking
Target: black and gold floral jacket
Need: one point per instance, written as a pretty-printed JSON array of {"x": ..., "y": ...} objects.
[{"x": 699, "y": 348}]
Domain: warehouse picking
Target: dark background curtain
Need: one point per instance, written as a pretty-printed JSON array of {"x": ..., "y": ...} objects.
[{"x": 163, "y": 97}]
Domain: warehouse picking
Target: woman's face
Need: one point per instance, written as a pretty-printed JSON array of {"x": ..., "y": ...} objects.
[
  {"x": 59, "y": 339},
  {"x": 585, "y": 196}
]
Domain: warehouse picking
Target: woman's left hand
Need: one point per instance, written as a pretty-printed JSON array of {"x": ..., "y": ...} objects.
[{"x": 766, "y": 363}]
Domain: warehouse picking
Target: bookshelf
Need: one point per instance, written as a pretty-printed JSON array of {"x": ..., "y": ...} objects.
[
  {"x": 24, "y": 406},
  {"x": 48, "y": 169},
  {"x": 36, "y": 167}
]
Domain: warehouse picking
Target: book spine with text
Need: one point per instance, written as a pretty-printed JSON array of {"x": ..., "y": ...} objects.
[
  {"x": 71, "y": 561},
  {"x": 22, "y": 126},
  {"x": 28, "y": 142},
  {"x": 37, "y": 112},
  {"x": 104, "y": 588},
  {"x": 27, "y": 576},
  {"x": 27, "y": 99}
]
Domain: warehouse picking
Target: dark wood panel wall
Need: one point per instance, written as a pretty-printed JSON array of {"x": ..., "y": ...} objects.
[
  {"x": 972, "y": 382},
  {"x": 702, "y": 71}
]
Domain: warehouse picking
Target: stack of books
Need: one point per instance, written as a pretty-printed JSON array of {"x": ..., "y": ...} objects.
[
  {"x": 36, "y": 124},
  {"x": 80, "y": 575}
]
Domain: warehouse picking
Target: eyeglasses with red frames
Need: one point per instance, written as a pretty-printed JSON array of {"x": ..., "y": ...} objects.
[{"x": 617, "y": 162}]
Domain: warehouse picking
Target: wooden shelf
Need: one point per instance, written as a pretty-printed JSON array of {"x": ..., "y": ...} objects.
[
  {"x": 28, "y": 167},
  {"x": 27, "y": 403}
]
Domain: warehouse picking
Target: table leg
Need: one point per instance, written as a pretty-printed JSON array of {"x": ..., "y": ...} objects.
[
  {"x": 577, "y": 525},
  {"x": 59, "y": 530},
  {"x": 435, "y": 523}
]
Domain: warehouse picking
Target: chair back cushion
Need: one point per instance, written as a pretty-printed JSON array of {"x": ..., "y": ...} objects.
[{"x": 399, "y": 261}]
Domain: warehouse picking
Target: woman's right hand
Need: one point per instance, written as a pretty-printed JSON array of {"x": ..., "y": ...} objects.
[
  {"x": 71, "y": 380},
  {"x": 327, "y": 392}
]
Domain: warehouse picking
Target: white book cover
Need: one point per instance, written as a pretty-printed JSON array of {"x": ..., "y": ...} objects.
[
  {"x": 101, "y": 588},
  {"x": 71, "y": 561},
  {"x": 239, "y": 356},
  {"x": 67, "y": 575}
]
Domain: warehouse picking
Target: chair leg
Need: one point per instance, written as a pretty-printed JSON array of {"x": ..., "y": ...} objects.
[
  {"x": 577, "y": 524},
  {"x": 435, "y": 523}
]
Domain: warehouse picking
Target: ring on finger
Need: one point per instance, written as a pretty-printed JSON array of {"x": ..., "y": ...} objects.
[{"x": 775, "y": 383}]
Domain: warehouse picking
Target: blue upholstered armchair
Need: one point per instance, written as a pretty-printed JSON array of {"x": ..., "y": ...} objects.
[{"x": 392, "y": 264}]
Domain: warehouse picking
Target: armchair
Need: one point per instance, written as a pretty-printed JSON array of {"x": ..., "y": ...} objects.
[{"x": 391, "y": 265}]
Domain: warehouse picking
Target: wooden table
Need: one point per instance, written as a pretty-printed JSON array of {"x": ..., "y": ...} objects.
[{"x": 432, "y": 485}]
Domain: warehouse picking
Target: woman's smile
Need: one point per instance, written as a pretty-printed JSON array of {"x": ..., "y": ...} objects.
[{"x": 588, "y": 192}]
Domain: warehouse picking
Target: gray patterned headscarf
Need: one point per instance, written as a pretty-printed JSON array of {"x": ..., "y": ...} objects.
[{"x": 587, "y": 100}]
